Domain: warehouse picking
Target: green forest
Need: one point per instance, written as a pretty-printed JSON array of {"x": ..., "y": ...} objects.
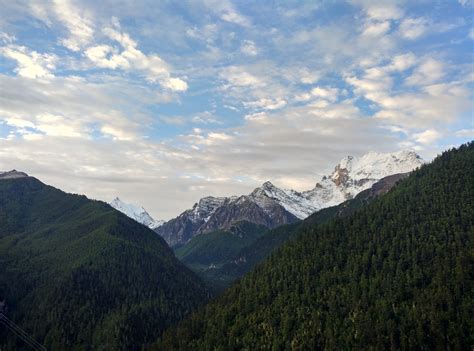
[
  {"x": 76, "y": 274},
  {"x": 395, "y": 274}
]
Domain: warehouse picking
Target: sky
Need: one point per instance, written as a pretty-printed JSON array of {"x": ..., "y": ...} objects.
[{"x": 164, "y": 102}]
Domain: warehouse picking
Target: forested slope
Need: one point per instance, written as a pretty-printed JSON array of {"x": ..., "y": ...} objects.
[
  {"x": 76, "y": 274},
  {"x": 396, "y": 274}
]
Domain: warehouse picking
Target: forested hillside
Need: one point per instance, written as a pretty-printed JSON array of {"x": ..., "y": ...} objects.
[
  {"x": 76, "y": 274},
  {"x": 396, "y": 274}
]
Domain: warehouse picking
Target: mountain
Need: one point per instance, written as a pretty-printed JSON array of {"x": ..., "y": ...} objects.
[
  {"x": 396, "y": 274},
  {"x": 213, "y": 213},
  {"x": 12, "y": 174},
  {"x": 76, "y": 274},
  {"x": 271, "y": 206},
  {"x": 351, "y": 176},
  {"x": 137, "y": 213},
  {"x": 221, "y": 258}
]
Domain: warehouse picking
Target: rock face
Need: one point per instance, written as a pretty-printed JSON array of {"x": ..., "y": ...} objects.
[
  {"x": 271, "y": 206},
  {"x": 12, "y": 174},
  {"x": 213, "y": 213},
  {"x": 137, "y": 213}
]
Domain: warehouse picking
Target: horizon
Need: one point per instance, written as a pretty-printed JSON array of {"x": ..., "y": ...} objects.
[
  {"x": 163, "y": 104},
  {"x": 192, "y": 204}
]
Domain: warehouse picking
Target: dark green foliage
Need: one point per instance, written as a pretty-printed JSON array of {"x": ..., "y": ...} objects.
[
  {"x": 207, "y": 252},
  {"x": 396, "y": 274},
  {"x": 79, "y": 275}
]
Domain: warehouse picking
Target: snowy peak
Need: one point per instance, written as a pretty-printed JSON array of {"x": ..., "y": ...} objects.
[
  {"x": 137, "y": 213},
  {"x": 374, "y": 165},
  {"x": 351, "y": 176},
  {"x": 205, "y": 207}
]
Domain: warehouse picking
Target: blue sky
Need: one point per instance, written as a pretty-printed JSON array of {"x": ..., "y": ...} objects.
[{"x": 161, "y": 103}]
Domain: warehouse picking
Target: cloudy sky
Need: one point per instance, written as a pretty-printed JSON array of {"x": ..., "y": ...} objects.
[{"x": 161, "y": 103}]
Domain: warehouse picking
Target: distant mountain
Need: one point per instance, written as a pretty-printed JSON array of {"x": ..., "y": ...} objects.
[
  {"x": 221, "y": 257},
  {"x": 396, "y": 274},
  {"x": 137, "y": 213},
  {"x": 271, "y": 206},
  {"x": 76, "y": 274}
]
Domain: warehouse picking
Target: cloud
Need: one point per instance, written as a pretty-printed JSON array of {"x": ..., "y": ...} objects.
[
  {"x": 76, "y": 21},
  {"x": 427, "y": 137},
  {"x": 375, "y": 29},
  {"x": 428, "y": 72},
  {"x": 465, "y": 133},
  {"x": 402, "y": 62},
  {"x": 329, "y": 94},
  {"x": 380, "y": 10},
  {"x": 237, "y": 76},
  {"x": 413, "y": 28},
  {"x": 30, "y": 64},
  {"x": 249, "y": 48},
  {"x": 131, "y": 58},
  {"x": 266, "y": 104},
  {"x": 227, "y": 12}
]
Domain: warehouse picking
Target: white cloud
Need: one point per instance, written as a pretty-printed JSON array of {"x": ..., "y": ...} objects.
[
  {"x": 77, "y": 22},
  {"x": 30, "y": 64},
  {"x": 249, "y": 48},
  {"x": 116, "y": 133},
  {"x": 375, "y": 29},
  {"x": 427, "y": 137},
  {"x": 329, "y": 94},
  {"x": 413, "y": 28},
  {"x": 266, "y": 104},
  {"x": 466, "y": 3},
  {"x": 227, "y": 12},
  {"x": 239, "y": 77},
  {"x": 429, "y": 71},
  {"x": 403, "y": 62},
  {"x": 380, "y": 10},
  {"x": 6, "y": 38},
  {"x": 131, "y": 58},
  {"x": 471, "y": 34}
]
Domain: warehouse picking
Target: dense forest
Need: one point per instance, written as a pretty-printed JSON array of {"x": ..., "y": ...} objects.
[
  {"x": 76, "y": 274},
  {"x": 396, "y": 274}
]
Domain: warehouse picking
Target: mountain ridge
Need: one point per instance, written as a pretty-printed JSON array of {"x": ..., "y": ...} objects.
[{"x": 271, "y": 206}]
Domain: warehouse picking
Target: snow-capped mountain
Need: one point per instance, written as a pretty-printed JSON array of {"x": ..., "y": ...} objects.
[
  {"x": 271, "y": 206},
  {"x": 135, "y": 212},
  {"x": 351, "y": 176}
]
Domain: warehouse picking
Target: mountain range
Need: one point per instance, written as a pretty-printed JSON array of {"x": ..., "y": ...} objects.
[
  {"x": 271, "y": 206},
  {"x": 390, "y": 267},
  {"x": 393, "y": 274}
]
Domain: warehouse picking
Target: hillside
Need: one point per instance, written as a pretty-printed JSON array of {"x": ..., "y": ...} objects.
[
  {"x": 76, "y": 274},
  {"x": 396, "y": 274}
]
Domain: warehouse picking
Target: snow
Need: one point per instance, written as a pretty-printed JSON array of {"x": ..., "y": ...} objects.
[
  {"x": 137, "y": 213},
  {"x": 206, "y": 207},
  {"x": 353, "y": 175}
]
